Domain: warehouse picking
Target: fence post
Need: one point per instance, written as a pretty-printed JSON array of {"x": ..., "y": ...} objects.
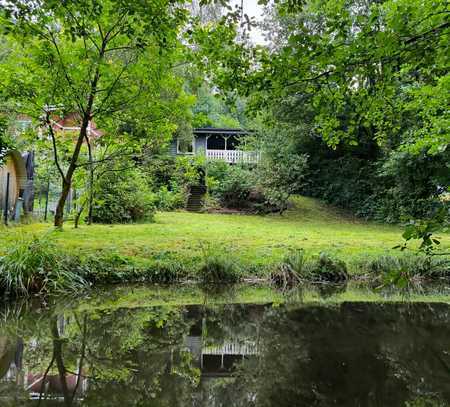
[
  {"x": 5, "y": 213},
  {"x": 46, "y": 200}
]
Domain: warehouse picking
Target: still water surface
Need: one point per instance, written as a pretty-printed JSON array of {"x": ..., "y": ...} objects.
[{"x": 125, "y": 349}]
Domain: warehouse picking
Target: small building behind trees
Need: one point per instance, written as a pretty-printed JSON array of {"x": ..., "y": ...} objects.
[
  {"x": 215, "y": 144},
  {"x": 16, "y": 185}
]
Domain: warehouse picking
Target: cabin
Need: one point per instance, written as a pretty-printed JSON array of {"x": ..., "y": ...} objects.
[
  {"x": 216, "y": 144},
  {"x": 16, "y": 185}
]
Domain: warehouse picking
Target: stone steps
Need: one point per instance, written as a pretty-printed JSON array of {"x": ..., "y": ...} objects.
[{"x": 195, "y": 199}]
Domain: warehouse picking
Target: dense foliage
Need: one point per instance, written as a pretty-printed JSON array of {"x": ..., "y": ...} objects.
[
  {"x": 123, "y": 196},
  {"x": 363, "y": 87},
  {"x": 364, "y": 179},
  {"x": 98, "y": 61},
  {"x": 5, "y": 139}
]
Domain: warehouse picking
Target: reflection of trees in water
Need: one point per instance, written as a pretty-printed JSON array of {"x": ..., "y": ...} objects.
[
  {"x": 353, "y": 354},
  {"x": 127, "y": 357}
]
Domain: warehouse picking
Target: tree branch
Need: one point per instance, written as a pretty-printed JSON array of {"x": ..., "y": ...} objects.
[{"x": 49, "y": 123}]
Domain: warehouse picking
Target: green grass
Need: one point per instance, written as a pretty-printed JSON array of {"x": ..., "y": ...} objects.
[{"x": 255, "y": 240}]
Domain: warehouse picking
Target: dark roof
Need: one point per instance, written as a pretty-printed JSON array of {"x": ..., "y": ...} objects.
[{"x": 213, "y": 130}]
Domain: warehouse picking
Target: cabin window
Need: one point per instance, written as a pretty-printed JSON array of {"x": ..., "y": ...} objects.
[
  {"x": 185, "y": 146},
  {"x": 215, "y": 142}
]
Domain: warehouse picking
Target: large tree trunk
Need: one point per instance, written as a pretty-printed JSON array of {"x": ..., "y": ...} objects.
[{"x": 59, "y": 213}]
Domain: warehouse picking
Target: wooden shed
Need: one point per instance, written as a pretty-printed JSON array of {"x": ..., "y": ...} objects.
[{"x": 13, "y": 182}]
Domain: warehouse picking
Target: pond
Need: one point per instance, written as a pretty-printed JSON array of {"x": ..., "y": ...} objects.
[{"x": 251, "y": 346}]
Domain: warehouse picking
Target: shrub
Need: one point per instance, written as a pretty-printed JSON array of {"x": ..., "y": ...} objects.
[
  {"x": 218, "y": 171},
  {"x": 281, "y": 171},
  {"x": 188, "y": 170},
  {"x": 34, "y": 265},
  {"x": 218, "y": 267},
  {"x": 210, "y": 202},
  {"x": 170, "y": 178},
  {"x": 400, "y": 270},
  {"x": 290, "y": 271},
  {"x": 122, "y": 197},
  {"x": 103, "y": 267},
  {"x": 325, "y": 268},
  {"x": 165, "y": 272},
  {"x": 374, "y": 183},
  {"x": 235, "y": 189},
  {"x": 168, "y": 200}
]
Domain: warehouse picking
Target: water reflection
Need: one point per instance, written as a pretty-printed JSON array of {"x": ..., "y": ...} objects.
[{"x": 352, "y": 354}]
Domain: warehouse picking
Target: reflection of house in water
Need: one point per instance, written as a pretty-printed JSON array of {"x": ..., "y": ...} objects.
[
  {"x": 217, "y": 358},
  {"x": 216, "y": 349},
  {"x": 38, "y": 385}
]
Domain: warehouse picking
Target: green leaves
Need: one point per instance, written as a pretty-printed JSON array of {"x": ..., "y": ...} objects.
[
  {"x": 366, "y": 67},
  {"x": 424, "y": 231}
]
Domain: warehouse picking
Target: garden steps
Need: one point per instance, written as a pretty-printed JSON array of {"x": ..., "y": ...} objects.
[{"x": 195, "y": 199}]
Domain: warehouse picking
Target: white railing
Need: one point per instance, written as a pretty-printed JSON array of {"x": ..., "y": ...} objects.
[{"x": 233, "y": 156}]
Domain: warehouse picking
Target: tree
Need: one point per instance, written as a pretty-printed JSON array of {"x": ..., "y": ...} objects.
[
  {"x": 362, "y": 81},
  {"x": 359, "y": 66},
  {"x": 96, "y": 59}
]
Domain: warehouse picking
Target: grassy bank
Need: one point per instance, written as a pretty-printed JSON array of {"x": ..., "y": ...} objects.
[
  {"x": 177, "y": 244},
  {"x": 253, "y": 239}
]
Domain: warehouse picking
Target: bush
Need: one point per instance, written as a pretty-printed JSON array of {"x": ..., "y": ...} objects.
[
  {"x": 171, "y": 178},
  {"x": 188, "y": 170},
  {"x": 165, "y": 272},
  {"x": 218, "y": 171},
  {"x": 218, "y": 267},
  {"x": 372, "y": 182},
  {"x": 281, "y": 171},
  {"x": 168, "y": 200},
  {"x": 407, "y": 267},
  {"x": 122, "y": 197},
  {"x": 294, "y": 268},
  {"x": 325, "y": 268},
  {"x": 234, "y": 190},
  {"x": 103, "y": 267},
  {"x": 290, "y": 271},
  {"x": 34, "y": 265}
]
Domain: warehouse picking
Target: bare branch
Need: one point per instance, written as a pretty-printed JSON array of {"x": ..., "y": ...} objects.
[
  {"x": 49, "y": 124},
  {"x": 65, "y": 72}
]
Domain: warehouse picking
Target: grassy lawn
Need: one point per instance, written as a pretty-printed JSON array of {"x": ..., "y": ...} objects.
[{"x": 253, "y": 239}]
